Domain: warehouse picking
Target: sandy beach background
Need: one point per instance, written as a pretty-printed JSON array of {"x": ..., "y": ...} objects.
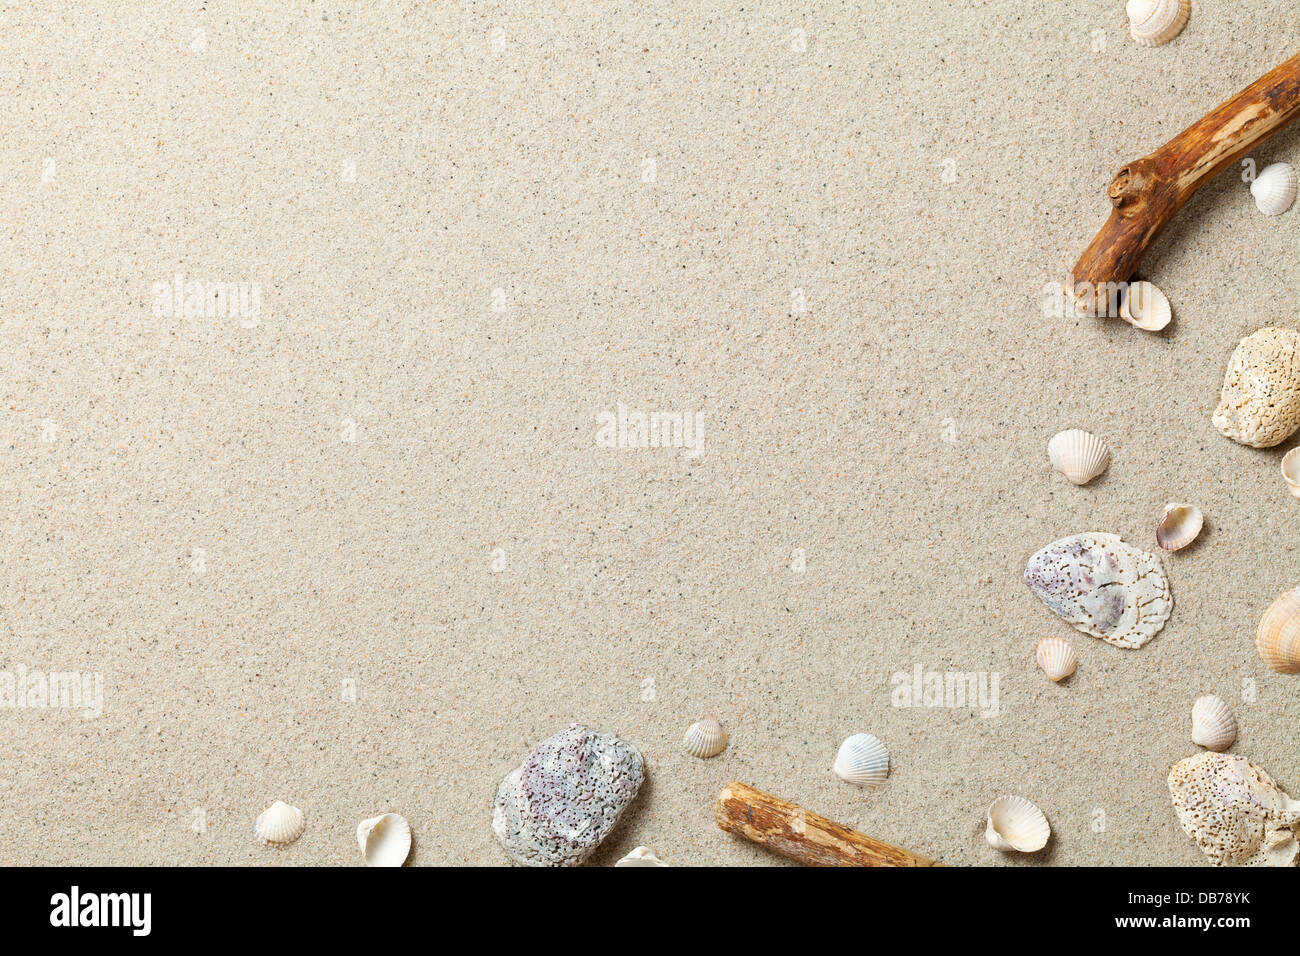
[{"x": 359, "y": 548}]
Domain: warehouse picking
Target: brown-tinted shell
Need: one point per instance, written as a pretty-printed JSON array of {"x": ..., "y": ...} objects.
[
  {"x": 1278, "y": 636},
  {"x": 1179, "y": 525}
]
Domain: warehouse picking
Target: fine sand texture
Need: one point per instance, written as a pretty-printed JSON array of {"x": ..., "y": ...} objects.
[{"x": 353, "y": 529}]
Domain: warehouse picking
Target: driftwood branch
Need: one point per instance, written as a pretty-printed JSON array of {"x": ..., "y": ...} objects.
[
  {"x": 1148, "y": 192},
  {"x": 795, "y": 832}
]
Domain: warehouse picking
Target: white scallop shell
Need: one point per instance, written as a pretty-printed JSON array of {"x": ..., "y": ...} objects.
[
  {"x": 705, "y": 738},
  {"x": 385, "y": 840},
  {"x": 1291, "y": 470},
  {"x": 641, "y": 856},
  {"x": 1056, "y": 657},
  {"x": 862, "y": 760},
  {"x": 1213, "y": 726},
  {"x": 1178, "y": 526},
  {"x": 1278, "y": 637},
  {"x": 1156, "y": 22},
  {"x": 1274, "y": 188},
  {"x": 1079, "y": 455},
  {"x": 278, "y": 824},
  {"x": 1145, "y": 307},
  {"x": 1016, "y": 824}
]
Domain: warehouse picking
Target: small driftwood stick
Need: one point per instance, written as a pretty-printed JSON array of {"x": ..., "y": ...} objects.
[
  {"x": 1148, "y": 192},
  {"x": 794, "y": 832}
]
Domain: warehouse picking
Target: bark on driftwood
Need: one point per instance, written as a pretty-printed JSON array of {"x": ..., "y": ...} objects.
[
  {"x": 1148, "y": 192},
  {"x": 794, "y": 832}
]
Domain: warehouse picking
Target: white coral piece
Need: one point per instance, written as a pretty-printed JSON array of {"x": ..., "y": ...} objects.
[{"x": 1234, "y": 811}]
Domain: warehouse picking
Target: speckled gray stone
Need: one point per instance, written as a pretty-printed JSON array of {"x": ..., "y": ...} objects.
[{"x": 557, "y": 807}]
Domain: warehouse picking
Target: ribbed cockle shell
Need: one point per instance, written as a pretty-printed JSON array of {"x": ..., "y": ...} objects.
[
  {"x": 1079, "y": 455},
  {"x": 641, "y": 856},
  {"x": 278, "y": 825},
  {"x": 1213, "y": 726},
  {"x": 1291, "y": 471},
  {"x": 1156, "y": 22},
  {"x": 705, "y": 738},
  {"x": 1145, "y": 307},
  {"x": 1274, "y": 189},
  {"x": 1056, "y": 657},
  {"x": 1178, "y": 526},
  {"x": 863, "y": 760},
  {"x": 1016, "y": 824},
  {"x": 1278, "y": 637}
]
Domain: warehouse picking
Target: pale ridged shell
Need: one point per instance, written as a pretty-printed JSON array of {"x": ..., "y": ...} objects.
[
  {"x": 1259, "y": 404},
  {"x": 1278, "y": 637},
  {"x": 862, "y": 760},
  {"x": 1291, "y": 471},
  {"x": 1156, "y": 22},
  {"x": 1056, "y": 657},
  {"x": 1079, "y": 455},
  {"x": 1234, "y": 811},
  {"x": 278, "y": 825},
  {"x": 1145, "y": 307},
  {"x": 1178, "y": 526},
  {"x": 705, "y": 738},
  {"x": 385, "y": 840},
  {"x": 1016, "y": 824},
  {"x": 1213, "y": 726},
  {"x": 641, "y": 856},
  {"x": 1274, "y": 188}
]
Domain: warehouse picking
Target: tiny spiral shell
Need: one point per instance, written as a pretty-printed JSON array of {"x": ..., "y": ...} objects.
[
  {"x": 1056, "y": 657},
  {"x": 705, "y": 738}
]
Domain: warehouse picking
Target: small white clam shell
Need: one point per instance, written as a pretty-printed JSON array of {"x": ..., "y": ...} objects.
[
  {"x": 1016, "y": 824},
  {"x": 1274, "y": 188},
  {"x": 1213, "y": 726},
  {"x": 641, "y": 856},
  {"x": 278, "y": 825},
  {"x": 705, "y": 738},
  {"x": 1056, "y": 657},
  {"x": 862, "y": 760},
  {"x": 385, "y": 840},
  {"x": 1156, "y": 22},
  {"x": 1145, "y": 307},
  {"x": 1291, "y": 470},
  {"x": 1079, "y": 455},
  {"x": 1178, "y": 526}
]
